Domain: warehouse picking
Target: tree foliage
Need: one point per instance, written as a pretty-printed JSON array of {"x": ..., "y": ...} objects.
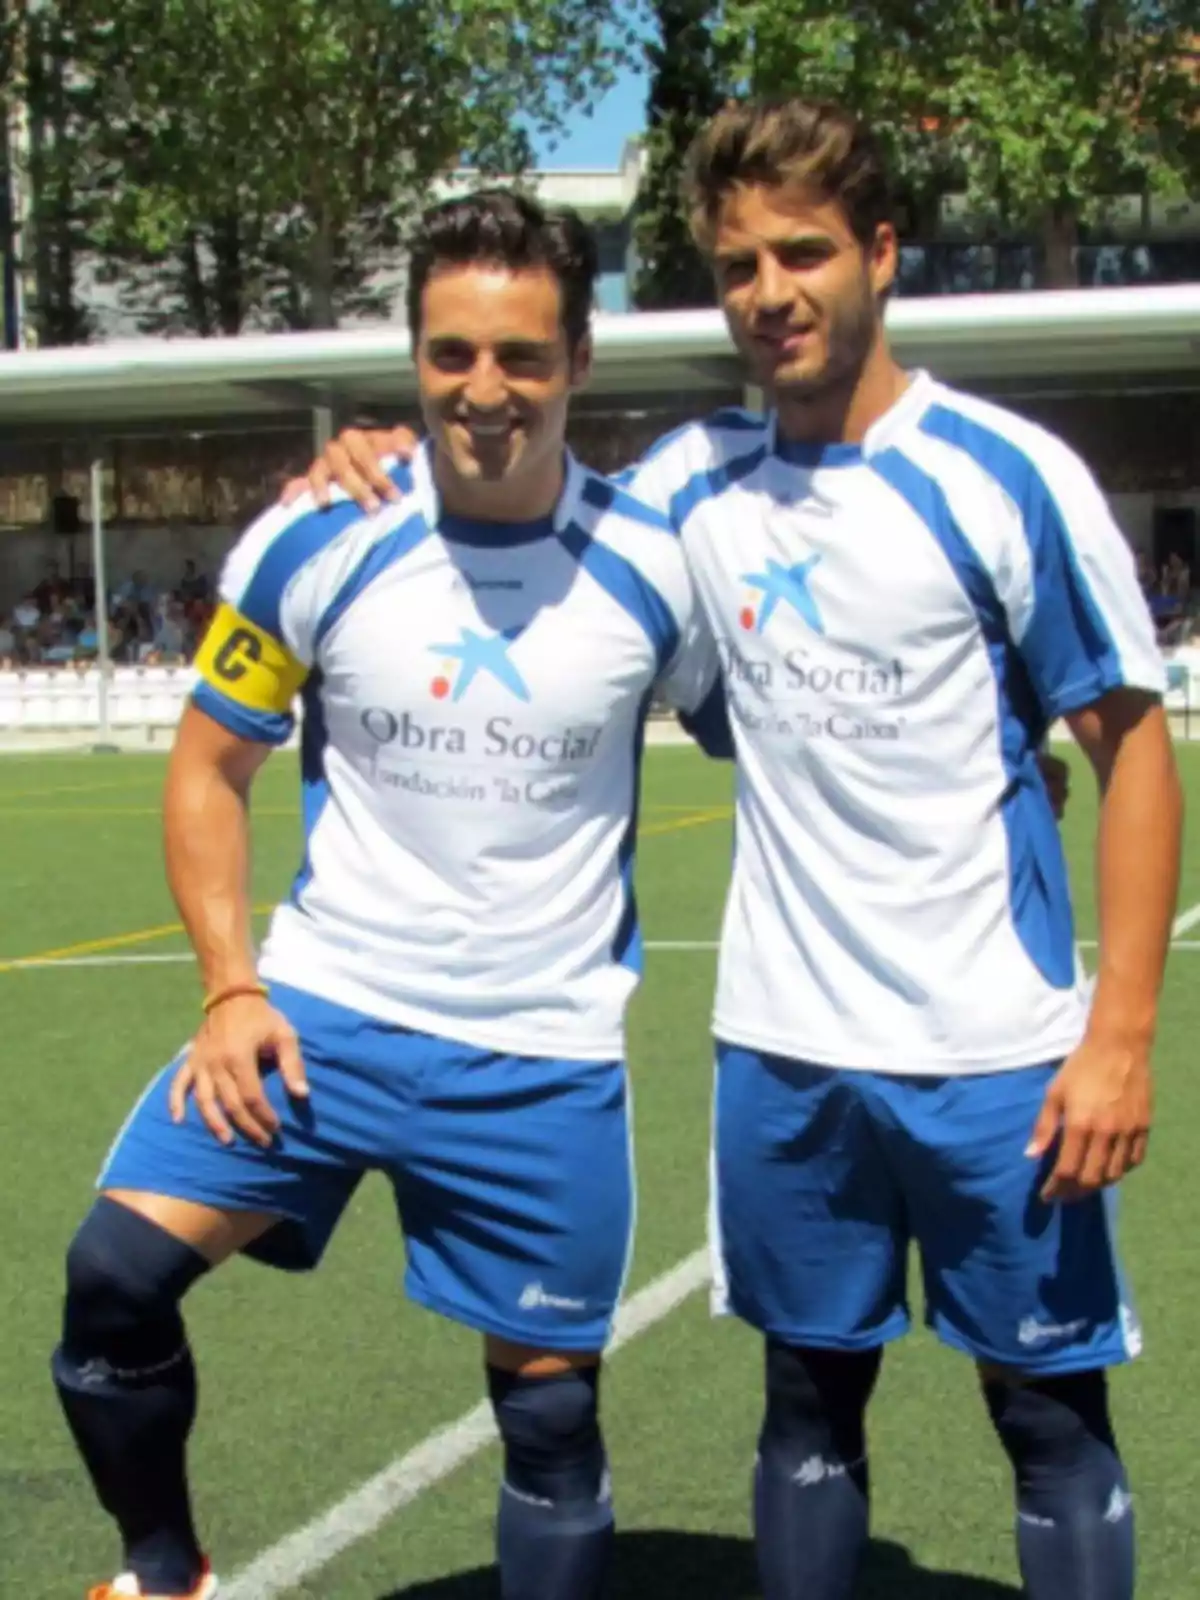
[
  {"x": 1040, "y": 111},
  {"x": 272, "y": 148},
  {"x": 234, "y": 162},
  {"x": 687, "y": 87}
]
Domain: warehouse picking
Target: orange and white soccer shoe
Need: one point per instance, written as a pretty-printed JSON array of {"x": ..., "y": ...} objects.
[{"x": 126, "y": 1587}]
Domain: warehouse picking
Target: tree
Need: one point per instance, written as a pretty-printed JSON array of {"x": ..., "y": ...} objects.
[
  {"x": 1041, "y": 111},
  {"x": 46, "y": 174},
  {"x": 267, "y": 153},
  {"x": 686, "y": 89}
]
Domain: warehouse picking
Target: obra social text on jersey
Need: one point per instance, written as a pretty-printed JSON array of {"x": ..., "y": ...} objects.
[
  {"x": 498, "y": 739},
  {"x": 793, "y": 694}
]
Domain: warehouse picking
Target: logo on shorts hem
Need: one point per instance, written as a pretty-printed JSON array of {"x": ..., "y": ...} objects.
[
  {"x": 536, "y": 1298},
  {"x": 1030, "y": 1331}
]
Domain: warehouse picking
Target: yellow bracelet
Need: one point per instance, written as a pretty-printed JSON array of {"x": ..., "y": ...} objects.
[{"x": 212, "y": 1001}]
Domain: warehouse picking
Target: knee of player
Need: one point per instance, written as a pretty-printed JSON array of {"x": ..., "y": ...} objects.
[
  {"x": 819, "y": 1397},
  {"x": 122, "y": 1269},
  {"x": 1058, "y": 1435},
  {"x": 551, "y": 1432}
]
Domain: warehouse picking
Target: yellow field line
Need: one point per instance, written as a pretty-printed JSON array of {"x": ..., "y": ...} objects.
[
  {"x": 110, "y": 941},
  {"x": 117, "y": 941},
  {"x": 123, "y": 811},
  {"x": 91, "y": 947},
  {"x": 695, "y": 820}
]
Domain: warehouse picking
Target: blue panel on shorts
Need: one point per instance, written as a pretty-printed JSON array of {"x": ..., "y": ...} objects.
[
  {"x": 512, "y": 1174},
  {"x": 824, "y": 1176}
]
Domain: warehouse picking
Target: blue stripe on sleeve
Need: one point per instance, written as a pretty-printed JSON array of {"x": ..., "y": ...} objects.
[
  {"x": 1039, "y": 894},
  {"x": 713, "y": 481},
  {"x": 606, "y": 494},
  {"x": 1067, "y": 646},
  {"x": 264, "y": 727},
  {"x": 729, "y": 419},
  {"x": 384, "y": 553},
  {"x": 283, "y": 558},
  {"x": 631, "y": 589}
]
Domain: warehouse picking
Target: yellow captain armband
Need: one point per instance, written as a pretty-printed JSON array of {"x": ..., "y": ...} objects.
[{"x": 247, "y": 665}]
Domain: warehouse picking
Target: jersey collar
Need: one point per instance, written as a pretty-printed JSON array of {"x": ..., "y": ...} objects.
[
  {"x": 428, "y": 502},
  {"x": 805, "y": 453}
]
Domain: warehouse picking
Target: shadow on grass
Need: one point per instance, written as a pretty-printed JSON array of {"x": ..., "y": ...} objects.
[{"x": 659, "y": 1564}]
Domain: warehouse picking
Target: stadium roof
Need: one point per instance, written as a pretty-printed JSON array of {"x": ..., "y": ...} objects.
[{"x": 1040, "y": 340}]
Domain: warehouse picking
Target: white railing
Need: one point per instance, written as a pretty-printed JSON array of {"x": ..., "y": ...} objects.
[
  {"x": 66, "y": 699},
  {"x": 42, "y": 700}
]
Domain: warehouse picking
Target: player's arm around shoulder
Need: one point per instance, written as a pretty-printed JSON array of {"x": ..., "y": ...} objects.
[{"x": 683, "y": 466}]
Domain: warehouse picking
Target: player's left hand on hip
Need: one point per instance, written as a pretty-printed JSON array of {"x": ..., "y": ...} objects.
[
  {"x": 1056, "y": 775},
  {"x": 1098, "y": 1109}
]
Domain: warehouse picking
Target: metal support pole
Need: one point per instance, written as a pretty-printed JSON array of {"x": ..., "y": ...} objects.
[
  {"x": 104, "y": 739},
  {"x": 322, "y": 427}
]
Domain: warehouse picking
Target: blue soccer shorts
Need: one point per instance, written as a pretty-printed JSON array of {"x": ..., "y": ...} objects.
[
  {"x": 512, "y": 1175},
  {"x": 822, "y": 1178}
]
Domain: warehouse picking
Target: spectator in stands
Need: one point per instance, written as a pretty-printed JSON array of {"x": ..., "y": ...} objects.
[
  {"x": 193, "y": 585},
  {"x": 25, "y": 619},
  {"x": 136, "y": 597},
  {"x": 129, "y": 631},
  {"x": 88, "y": 642},
  {"x": 170, "y": 634},
  {"x": 53, "y": 589},
  {"x": 8, "y": 642},
  {"x": 1177, "y": 577},
  {"x": 137, "y": 590}
]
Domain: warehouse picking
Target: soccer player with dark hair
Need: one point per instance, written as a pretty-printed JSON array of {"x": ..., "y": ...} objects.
[
  {"x": 908, "y": 586},
  {"x": 441, "y": 996}
]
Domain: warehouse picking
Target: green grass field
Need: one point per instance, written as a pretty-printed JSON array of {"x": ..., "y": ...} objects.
[{"x": 311, "y": 1385}]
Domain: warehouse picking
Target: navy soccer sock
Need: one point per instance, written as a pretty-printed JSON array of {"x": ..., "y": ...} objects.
[
  {"x": 811, "y": 1489},
  {"x": 125, "y": 1378},
  {"x": 555, "y": 1528},
  {"x": 1075, "y": 1534}
]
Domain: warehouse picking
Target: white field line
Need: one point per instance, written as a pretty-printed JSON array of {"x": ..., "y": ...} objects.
[
  {"x": 179, "y": 957},
  {"x": 1184, "y": 922},
  {"x": 309, "y": 1548},
  {"x": 364, "y": 1510}
]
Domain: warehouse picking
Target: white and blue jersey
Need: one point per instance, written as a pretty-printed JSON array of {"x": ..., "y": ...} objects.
[
  {"x": 461, "y": 938},
  {"x": 473, "y": 707},
  {"x": 899, "y": 623}
]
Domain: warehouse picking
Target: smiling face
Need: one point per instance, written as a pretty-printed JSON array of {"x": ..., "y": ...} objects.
[
  {"x": 802, "y": 296},
  {"x": 496, "y": 371}
]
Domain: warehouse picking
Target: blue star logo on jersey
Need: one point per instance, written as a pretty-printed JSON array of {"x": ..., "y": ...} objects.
[
  {"x": 780, "y": 585},
  {"x": 476, "y": 653}
]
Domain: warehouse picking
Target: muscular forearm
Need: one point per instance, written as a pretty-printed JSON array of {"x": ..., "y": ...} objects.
[
  {"x": 207, "y": 840},
  {"x": 1137, "y": 880}
]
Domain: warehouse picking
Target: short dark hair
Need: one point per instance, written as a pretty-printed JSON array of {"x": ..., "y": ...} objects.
[
  {"x": 806, "y": 144},
  {"x": 497, "y": 227}
]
